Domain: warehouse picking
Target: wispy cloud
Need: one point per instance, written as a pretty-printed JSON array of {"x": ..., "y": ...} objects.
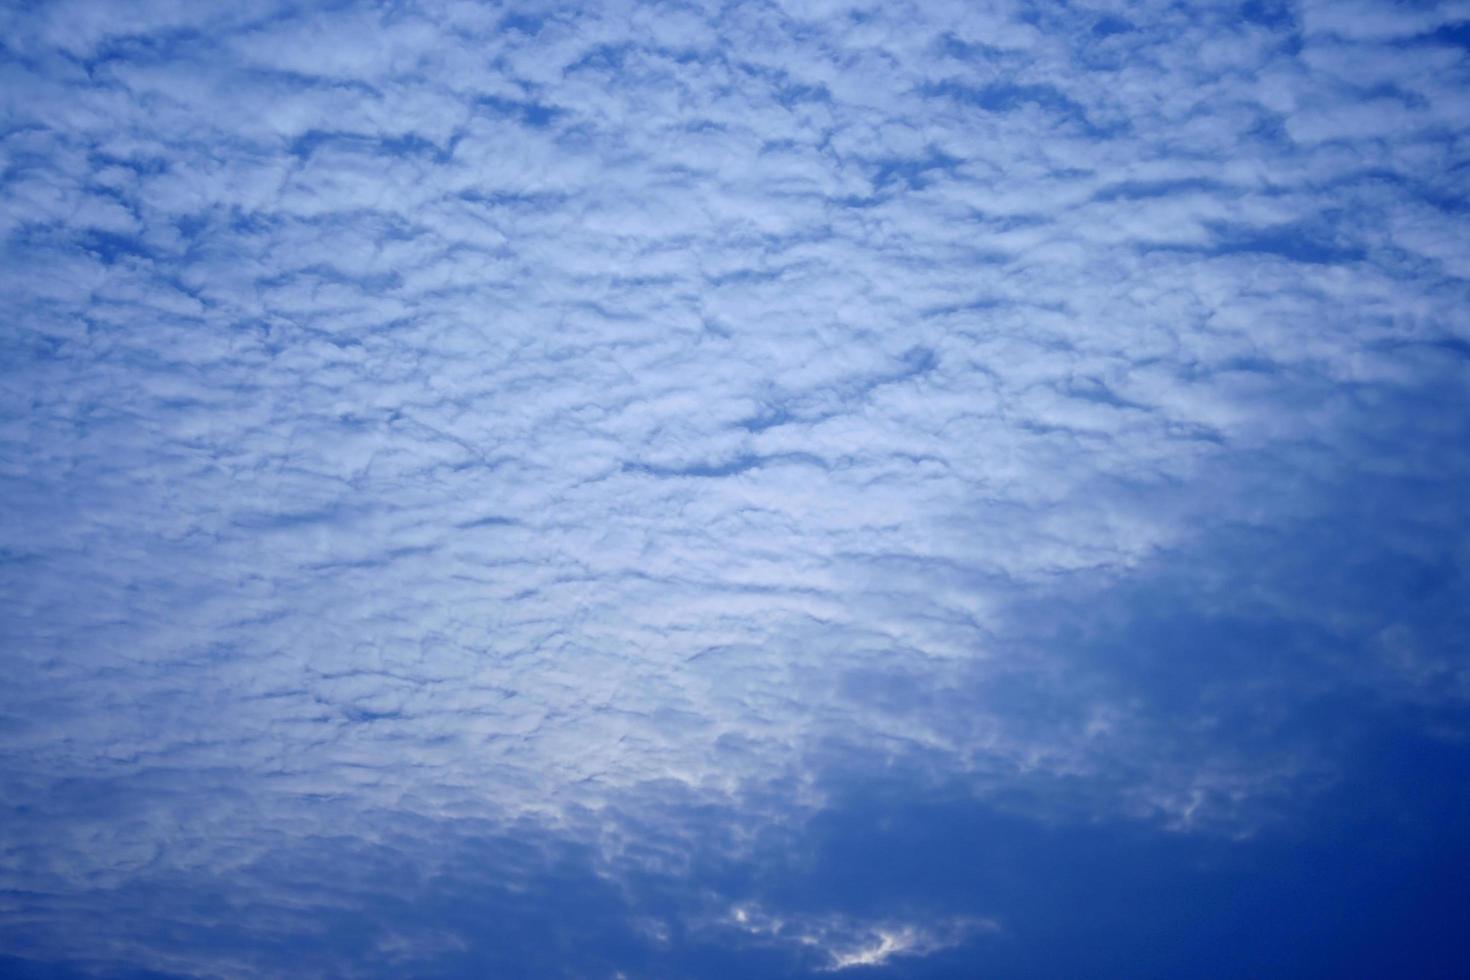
[{"x": 845, "y": 943}]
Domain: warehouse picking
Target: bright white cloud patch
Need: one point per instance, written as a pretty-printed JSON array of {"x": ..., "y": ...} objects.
[
  {"x": 846, "y": 943},
  {"x": 435, "y": 412}
]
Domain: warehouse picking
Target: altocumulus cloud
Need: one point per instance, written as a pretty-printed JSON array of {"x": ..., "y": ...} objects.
[{"x": 936, "y": 489}]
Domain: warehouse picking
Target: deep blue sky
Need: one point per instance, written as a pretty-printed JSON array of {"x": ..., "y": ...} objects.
[{"x": 754, "y": 490}]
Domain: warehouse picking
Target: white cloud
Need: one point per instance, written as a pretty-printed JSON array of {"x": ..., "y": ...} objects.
[
  {"x": 473, "y": 422},
  {"x": 844, "y": 942}
]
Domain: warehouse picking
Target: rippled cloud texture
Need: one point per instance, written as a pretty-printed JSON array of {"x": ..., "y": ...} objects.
[{"x": 762, "y": 489}]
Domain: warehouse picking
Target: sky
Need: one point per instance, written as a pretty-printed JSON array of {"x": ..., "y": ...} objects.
[{"x": 789, "y": 488}]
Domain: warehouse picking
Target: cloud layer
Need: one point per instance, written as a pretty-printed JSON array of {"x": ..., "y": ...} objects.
[{"x": 594, "y": 439}]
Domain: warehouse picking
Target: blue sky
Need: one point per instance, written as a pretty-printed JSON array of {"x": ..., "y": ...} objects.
[{"x": 781, "y": 489}]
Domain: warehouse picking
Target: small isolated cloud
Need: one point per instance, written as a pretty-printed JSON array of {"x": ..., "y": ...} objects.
[{"x": 845, "y": 942}]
